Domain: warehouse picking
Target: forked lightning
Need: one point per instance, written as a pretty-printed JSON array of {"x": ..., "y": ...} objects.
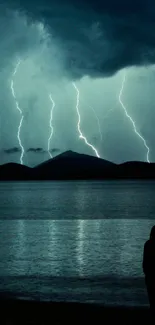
[
  {"x": 51, "y": 126},
  {"x": 20, "y": 111},
  {"x": 81, "y": 136},
  {"x": 130, "y": 118}
]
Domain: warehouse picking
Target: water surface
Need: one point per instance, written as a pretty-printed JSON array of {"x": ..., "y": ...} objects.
[{"x": 75, "y": 241}]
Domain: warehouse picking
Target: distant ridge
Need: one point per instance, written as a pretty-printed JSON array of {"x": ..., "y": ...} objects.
[
  {"x": 72, "y": 156},
  {"x": 13, "y": 171},
  {"x": 71, "y": 165}
]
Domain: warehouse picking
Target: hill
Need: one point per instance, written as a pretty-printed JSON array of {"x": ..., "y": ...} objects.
[
  {"x": 136, "y": 169},
  {"x": 71, "y": 165},
  {"x": 13, "y": 171}
]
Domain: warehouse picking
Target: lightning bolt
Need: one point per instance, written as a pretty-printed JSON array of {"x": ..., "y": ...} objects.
[
  {"x": 51, "y": 126},
  {"x": 81, "y": 136},
  {"x": 108, "y": 113},
  {"x": 98, "y": 122},
  {"x": 130, "y": 118},
  {"x": 20, "y": 111}
]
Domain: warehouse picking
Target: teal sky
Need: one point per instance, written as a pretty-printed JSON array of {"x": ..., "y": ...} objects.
[{"x": 43, "y": 71}]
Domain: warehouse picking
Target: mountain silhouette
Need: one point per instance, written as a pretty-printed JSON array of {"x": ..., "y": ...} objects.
[
  {"x": 13, "y": 171},
  {"x": 71, "y": 165}
]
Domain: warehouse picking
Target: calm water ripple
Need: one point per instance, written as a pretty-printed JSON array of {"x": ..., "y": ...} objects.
[{"x": 76, "y": 241}]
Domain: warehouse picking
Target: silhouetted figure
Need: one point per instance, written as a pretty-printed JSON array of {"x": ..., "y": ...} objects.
[{"x": 149, "y": 269}]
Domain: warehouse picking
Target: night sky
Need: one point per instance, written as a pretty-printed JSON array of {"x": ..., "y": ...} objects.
[{"x": 94, "y": 44}]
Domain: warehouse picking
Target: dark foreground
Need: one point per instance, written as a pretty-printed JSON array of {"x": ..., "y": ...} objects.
[{"x": 26, "y": 312}]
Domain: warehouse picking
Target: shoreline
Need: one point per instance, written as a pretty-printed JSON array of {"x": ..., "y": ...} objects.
[{"x": 25, "y": 312}]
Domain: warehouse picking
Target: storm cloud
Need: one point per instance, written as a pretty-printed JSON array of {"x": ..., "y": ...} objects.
[
  {"x": 91, "y": 43},
  {"x": 55, "y": 150},
  {"x": 97, "y": 38},
  {"x": 36, "y": 150},
  {"x": 11, "y": 150}
]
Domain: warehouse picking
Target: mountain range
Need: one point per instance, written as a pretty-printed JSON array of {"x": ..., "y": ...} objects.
[{"x": 73, "y": 166}]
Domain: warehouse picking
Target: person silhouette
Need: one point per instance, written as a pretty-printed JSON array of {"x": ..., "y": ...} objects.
[{"x": 149, "y": 270}]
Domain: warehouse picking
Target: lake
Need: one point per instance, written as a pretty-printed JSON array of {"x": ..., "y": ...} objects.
[{"x": 75, "y": 241}]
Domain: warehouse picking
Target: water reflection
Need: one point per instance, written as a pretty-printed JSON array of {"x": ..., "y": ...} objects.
[
  {"x": 73, "y": 233},
  {"x": 74, "y": 247},
  {"x": 80, "y": 246}
]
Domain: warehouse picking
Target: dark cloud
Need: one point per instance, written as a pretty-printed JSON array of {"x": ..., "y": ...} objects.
[
  {"x": 36, "y": 150},
  {"x": 54, "y": 150},
  {"x": 98, "y": 37},
  {"x": 59, "y": 41},
  {"x": 11, "y": 150}
]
